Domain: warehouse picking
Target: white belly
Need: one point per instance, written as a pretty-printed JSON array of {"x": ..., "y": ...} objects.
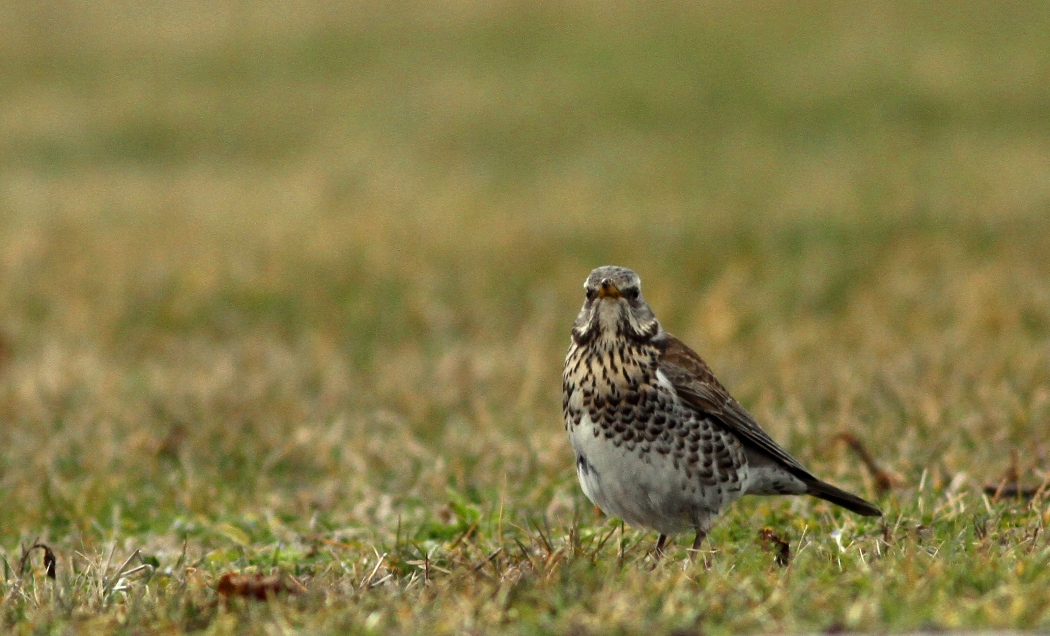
[{"x": 642, "y": 489}]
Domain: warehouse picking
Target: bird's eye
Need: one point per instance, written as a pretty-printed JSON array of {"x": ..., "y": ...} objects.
[
  {"x": 592, "y": 293},
  {"x": 631, "y": 293}
]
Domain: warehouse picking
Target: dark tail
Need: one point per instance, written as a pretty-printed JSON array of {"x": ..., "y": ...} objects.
[{"x": 827, "y": 492}]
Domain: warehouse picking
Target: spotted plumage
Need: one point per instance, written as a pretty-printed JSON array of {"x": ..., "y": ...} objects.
[{"x": 658, "y": 441}]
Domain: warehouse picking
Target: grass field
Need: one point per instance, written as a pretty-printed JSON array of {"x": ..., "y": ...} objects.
[{"x": 285, "y": 289}]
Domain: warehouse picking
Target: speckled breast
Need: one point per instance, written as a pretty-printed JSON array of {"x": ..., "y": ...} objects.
[{"x": 627, "y": 423}]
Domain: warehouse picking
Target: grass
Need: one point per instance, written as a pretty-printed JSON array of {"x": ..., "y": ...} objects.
[{"x": 286, "y": 290}]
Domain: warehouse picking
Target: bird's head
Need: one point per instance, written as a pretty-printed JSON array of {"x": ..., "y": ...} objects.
[{"x": 614, "y": 308}]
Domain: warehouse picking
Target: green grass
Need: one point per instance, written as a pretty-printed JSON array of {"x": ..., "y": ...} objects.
[{"x": 287, "y": 290}]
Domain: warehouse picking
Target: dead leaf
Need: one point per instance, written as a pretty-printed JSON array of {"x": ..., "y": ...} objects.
[
  {"x": 777, "y": 544},
  {"x": 50, "y": 562},
  {"x": 254, "y": 586}
]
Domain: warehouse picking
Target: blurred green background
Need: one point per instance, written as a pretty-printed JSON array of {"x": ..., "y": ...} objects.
[
  {"x": 500, "y": 145},
  {"x": 562, "y": 110}
]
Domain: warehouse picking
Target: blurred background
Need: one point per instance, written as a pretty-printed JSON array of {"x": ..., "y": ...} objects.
[{"x": 322, "y": 257}]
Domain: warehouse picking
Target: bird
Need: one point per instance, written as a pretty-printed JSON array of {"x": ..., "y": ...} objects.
[{"x": 659, "y": 442}]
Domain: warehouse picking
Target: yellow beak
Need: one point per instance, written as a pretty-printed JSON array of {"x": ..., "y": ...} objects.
[{"x": 608, "y": 290}]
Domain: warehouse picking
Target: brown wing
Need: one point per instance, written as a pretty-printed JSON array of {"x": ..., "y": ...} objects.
[{"x": 697, "y": 386}]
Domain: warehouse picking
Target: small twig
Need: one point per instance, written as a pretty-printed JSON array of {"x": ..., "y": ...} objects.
[
  {"x": 367, "y": 583},
  {"x": 543, "y": 536},
  {"x": 885, "y": 481},
  {"x": 109, "y": 559},
  {"x": 464, "y": 535},
  {"x": 980, "y": 528},
  {"x": 495, "y": 553},
  {"x": 1008, "y": 490},
  {"x": 525, "y": 552},
  {"x": 109, "y": 584},
  {"x": 603, "y": 541},
  {"x": 1009, "y": 484}
]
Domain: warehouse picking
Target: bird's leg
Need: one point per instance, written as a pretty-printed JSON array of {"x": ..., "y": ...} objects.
[
  {"x": 700, "y": 535},
  {"x": 658, "y": 551},
  {"x": 693, "y": 551}
]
